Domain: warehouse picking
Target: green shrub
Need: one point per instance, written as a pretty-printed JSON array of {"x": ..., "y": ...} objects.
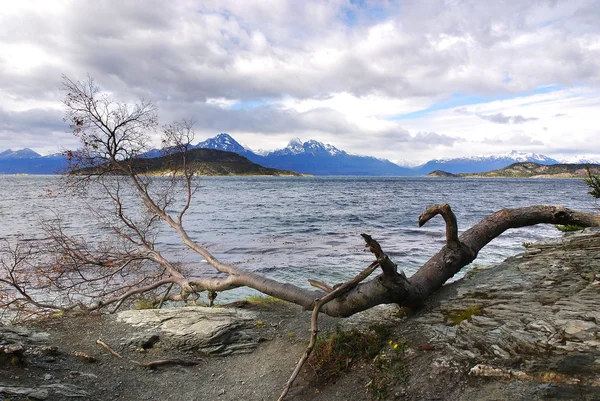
[
  {"x": 389, "y": 369},
  {"x": 568, "y": 228},
  {"x": 592, "y": 181},
  {"x": 265, "y": 302},
  {"x": 335, "y": 352}
]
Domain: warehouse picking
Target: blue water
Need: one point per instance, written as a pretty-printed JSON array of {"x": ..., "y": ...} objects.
[{"x": 294, "y": 228}]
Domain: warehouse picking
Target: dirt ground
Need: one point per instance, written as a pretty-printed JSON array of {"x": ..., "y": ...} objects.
[
  {"x": 259, "y": 375},
  {"x": 431, "y": 372}
]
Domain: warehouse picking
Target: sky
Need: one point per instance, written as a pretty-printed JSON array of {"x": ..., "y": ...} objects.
[{"x": 408, "y": 81}]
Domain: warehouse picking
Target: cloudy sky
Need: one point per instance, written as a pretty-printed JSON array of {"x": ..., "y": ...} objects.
[{"x": 403, "y": 80}]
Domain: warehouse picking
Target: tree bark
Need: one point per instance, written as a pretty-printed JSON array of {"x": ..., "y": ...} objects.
[{"x": 393, "y": 287}]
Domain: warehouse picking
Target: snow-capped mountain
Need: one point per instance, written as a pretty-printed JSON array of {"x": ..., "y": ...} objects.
[
  {"x": 19, "y": 154},
  {"x": 310, "y": 157},
  {"x": 315, "y": 148},
  {"x": 27, "y": 161},
  {"x": 478, "y": 164},
  {"x": 580, "y": 160},
  {"x": 224, "y": 142}
]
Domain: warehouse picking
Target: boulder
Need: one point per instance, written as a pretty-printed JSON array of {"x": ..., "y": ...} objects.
[{"x": 218, "y": 331}]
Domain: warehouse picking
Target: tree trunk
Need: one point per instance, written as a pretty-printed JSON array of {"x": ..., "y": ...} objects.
[{"x": 393, "y": 287}]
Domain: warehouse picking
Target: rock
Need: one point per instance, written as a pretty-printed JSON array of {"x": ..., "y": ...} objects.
[
  {"x": 16, "y": 343},
  {"x": 45, "y": 391},
  {"x": 540, "y": 311},
  {"x": 32, "y": 393},
  {"x": 219, "y": 331},
  {"x": 145, "y": 340}
]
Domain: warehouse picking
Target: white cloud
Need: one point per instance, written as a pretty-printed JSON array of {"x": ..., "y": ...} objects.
[{"x": 335, "y": 70}]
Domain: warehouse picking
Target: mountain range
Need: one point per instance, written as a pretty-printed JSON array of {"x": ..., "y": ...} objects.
[
  {"x": 310, "y": 157},
  {"x": 313, "y": 157},
  {"x": 478, "y": 164},
  {"x": 27, "y": 161}
]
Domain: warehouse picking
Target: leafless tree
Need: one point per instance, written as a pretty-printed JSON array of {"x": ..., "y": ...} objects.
[{"x": 106, "y": 273}]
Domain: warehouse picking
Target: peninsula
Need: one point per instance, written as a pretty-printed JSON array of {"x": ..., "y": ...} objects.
[
  {"x": 203, "y": 162},
  {"x": 528, "y": 170}
]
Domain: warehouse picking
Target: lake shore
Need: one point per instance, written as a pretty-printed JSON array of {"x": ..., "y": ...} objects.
[{"x": 524, "y": 329}]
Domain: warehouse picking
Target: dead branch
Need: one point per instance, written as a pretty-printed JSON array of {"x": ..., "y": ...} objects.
[
  {"x": 165, "y": 362},
  {"x": 320, "y": 285},
  {"x": 108, "y": 348}
]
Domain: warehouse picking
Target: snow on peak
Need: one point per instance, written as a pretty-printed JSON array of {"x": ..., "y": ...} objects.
[
  {"x": 295, "y": 146},
  {"x": 580, "y": 159},
  {"x": 223, "y": 141},
  {"x": 332, "y": 150},
  {"x": 19, "y": 154},
  {"x": 523, "y": 157},
  {"x": 513, "y": 155},
  {"x": 312, "y": 147}
]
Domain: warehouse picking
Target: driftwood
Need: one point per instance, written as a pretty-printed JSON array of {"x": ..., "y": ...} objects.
[
  {"x": 108, "y": 348},
  {"x": 392, "y": 286},
  {"x": 151, "y": 364},
  {"x": 165, "y": 362}
]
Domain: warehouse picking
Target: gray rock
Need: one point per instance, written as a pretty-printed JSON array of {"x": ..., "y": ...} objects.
[
  {"x": 145, "y": 340},
  {"x": 16, "y": 343},
  {"x": 208, "y": 330},
  {"x": 33, "y": 393},
  {"x": 541, "y": 308}
]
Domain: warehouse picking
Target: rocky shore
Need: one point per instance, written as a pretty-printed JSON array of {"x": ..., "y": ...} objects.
[{"x": 526, "y": 329}]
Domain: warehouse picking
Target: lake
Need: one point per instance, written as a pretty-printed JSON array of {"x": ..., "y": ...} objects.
[{"x": 294, "y": 228}]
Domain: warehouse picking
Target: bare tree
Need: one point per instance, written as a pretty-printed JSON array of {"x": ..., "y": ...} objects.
[{"x": 104, "y": 274}]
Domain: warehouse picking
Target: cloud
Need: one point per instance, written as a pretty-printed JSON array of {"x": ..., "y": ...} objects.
[
  {"x": 335, "y": 70},
  {"x": 432, "y": 138},
  {"x": 516, "y": 140},
  {"x": 20, "y": 129},
  {"x": 500, "y": 118},
  {"x": 419, "y": 139}
]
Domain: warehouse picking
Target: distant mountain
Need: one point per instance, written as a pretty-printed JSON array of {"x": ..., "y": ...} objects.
[
  {"x": 26, "y": 161},
  {"x": 226, "y": 143},
  {"x": 580, "y": 160},
  {"x": 26, "y": 153},
  {"x": 311, "y": 147},
  {"x": 311, "y": 157},
  {"x": 477, "y": 164},
  {"x": 203, "y": 162}
]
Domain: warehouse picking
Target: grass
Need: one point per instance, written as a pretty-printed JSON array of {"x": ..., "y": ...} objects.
[
  {"x": 383, "y": 358},
  {"x": 335, "y": 351},
  {"x": 143, "y": 304},
  {"x": 568, "y": 228},
  {"x": 262, "y": 301}
]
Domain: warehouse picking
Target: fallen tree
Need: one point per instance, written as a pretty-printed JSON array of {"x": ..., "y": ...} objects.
[{"x": 106, "y": 273}]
